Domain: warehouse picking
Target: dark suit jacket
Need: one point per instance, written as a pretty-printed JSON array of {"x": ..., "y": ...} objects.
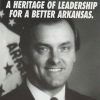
[{"x": 23, "y": 93}]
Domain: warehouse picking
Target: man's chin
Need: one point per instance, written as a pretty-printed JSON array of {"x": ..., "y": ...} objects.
[{"x": 52, "y": 86}]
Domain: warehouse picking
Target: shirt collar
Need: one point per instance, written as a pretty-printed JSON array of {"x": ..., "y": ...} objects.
[{"x": 38, "y": 94}]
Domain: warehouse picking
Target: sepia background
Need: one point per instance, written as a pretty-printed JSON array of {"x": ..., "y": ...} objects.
[{"x": 85, "y": 77}]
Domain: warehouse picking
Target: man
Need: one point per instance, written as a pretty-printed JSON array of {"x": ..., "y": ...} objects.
[{"x": 49, "y": 48}]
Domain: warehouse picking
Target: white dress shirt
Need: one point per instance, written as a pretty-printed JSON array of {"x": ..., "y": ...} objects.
[{"x": 40, "y": 95}]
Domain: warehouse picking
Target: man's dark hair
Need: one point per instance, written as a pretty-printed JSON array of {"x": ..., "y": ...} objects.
[{"x": 26, "y": 36}]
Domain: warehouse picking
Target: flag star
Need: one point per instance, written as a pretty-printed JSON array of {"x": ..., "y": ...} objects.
[
  {"x": 1, "y": 14},
  {"x": 1, "y": 90},
  {"x": 12, "y": 22},
  {"x": 8, "y": 68}
]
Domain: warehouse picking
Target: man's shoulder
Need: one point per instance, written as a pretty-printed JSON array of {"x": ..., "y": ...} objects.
[
  {"x": 20, "y": 93},
  {"x": 14, "y": 94},
  {"x": 73, "y": 95}
]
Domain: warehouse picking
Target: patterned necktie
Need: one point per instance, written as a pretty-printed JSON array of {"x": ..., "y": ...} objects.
[{"x": 53, "y": 98}]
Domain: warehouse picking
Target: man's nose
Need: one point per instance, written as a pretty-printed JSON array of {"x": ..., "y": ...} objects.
[{"x": 54, "y": 58}]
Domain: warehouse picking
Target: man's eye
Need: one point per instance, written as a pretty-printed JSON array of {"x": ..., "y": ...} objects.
[
  {"x": 64, "y": 48},
  {"x": 42, "y": 49}
]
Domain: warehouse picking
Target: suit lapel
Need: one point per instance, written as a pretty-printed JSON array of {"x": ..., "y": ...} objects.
[
  {"x": 27, "y": 94},
  {"x": 68, "y": 95}
]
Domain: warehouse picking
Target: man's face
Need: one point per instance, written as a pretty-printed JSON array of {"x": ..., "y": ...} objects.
[{"x": 53, "y": 53}]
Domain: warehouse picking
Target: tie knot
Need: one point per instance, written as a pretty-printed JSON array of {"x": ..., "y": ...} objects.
[{"x": 53, "y": 98}]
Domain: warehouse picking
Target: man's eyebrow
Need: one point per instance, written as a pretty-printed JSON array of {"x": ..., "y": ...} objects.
[
  {"x": 41, "y": 44},
  {"x": 65, "y": 43}
]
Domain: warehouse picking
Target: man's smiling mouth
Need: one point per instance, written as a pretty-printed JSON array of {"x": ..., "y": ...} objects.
[{"x": 55, "y": 69}]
